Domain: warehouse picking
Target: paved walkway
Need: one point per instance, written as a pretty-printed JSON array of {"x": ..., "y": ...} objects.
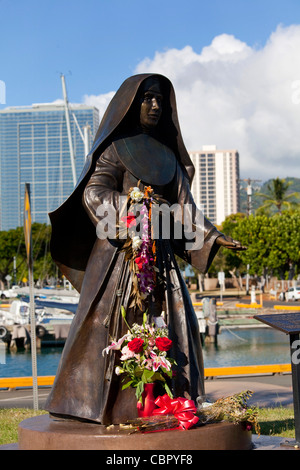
[{"x": 268, "y": 390}]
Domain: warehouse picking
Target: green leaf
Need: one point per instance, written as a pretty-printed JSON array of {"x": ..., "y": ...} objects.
[
  {"x": 158, "y": 376},
  {"x": 139, "y": 390},
  {"x": 138, "y": 371},
  {"x": 127, "y": 384},
  {"x": 147, "y": 376},
  {"x": 167, "y": 389}
]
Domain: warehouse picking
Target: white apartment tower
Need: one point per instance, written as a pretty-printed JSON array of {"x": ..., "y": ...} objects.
[{"x": 215, "y": 186}]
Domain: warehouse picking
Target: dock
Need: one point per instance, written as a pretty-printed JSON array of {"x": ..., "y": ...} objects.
[
  {"x": 17, "y": 337},
  {"x": 231, "y": 312}
]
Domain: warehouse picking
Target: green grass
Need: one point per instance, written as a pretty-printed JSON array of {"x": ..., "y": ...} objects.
[
  {"x": 272, "y": 421},
  {"x": 9, "y": 420},
  {"x": 277, "y": 422}
]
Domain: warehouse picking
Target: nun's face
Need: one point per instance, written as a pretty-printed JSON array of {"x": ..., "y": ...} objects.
[{"x": 151, "y": 105}]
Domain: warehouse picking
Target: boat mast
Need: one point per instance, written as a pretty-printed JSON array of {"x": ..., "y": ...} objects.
[
  {"x": 85, "y": 135},
  {"x": 69, "y": 128}
]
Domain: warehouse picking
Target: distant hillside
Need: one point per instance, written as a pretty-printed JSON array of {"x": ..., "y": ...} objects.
[{"x": 262, "y": 188}]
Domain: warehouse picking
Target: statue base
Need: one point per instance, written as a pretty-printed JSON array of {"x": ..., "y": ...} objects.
[{"x": 44, "y": 433}]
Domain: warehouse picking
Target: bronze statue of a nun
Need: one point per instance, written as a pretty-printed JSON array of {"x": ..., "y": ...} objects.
[{"x": 138, "y": 142}]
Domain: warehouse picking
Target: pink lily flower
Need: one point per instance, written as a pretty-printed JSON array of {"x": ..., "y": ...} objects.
[
  {"x": 115, "y": 345},
  {"x": 159, "y": 361},
  {"x": 165, "y": 363},
  {"x": 156, "y": 362}
]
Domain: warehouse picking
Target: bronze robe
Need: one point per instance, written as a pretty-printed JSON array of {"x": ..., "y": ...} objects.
[{"x": 86, "y": 386}]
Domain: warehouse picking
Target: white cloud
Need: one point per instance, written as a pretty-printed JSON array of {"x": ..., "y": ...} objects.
[
  {"x": 99, "y": 101},
  {"x": 237, "y": 96}
]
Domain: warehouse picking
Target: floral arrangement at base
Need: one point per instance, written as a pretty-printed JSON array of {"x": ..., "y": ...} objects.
[
  {"x": 143, "y": 356},
  {"x": 143, "y": 360},
  {"x": 233, "y": 409}
]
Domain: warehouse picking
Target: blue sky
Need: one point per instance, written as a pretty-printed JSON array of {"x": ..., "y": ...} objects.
[
  {"x": 98, "y": 43},
  {"x": 235, "y": 65}
]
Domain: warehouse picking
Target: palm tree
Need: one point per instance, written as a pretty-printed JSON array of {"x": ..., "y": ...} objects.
[{"x": 277, "y": 195}]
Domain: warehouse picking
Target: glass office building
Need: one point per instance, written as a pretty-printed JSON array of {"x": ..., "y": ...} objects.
[{"x": 34, "y": 148}]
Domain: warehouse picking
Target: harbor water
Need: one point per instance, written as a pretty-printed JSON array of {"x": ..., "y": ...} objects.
[
  {"x": 235, "y": 347},
  {"x": 246, "y": 347}
]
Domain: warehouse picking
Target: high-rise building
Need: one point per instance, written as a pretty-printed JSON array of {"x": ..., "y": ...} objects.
[
  {"x": 215, "y": 186},
  {"x": 34, "y": 148}
]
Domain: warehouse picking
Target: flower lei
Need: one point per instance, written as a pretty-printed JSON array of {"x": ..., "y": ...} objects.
[{"x": 140, "y": 249}]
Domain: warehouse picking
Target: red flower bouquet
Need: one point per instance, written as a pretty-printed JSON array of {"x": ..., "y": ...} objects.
[{"x": 143, "y": 356}]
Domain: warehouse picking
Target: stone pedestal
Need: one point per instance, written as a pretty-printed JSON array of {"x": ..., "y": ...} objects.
[{"x": 44, "y": 433}]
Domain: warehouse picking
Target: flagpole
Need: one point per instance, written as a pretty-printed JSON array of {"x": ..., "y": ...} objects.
[{"x": 28, "y": 243}]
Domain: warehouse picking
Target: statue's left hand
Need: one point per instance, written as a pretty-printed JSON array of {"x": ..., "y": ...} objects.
[{"x": 230, "y": 243}]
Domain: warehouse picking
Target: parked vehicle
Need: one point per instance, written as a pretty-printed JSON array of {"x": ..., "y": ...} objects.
[
  {"x": 293, "y": 293},
  {"x": 9, "y": 293},
  {"x": 281, "y": 296}
]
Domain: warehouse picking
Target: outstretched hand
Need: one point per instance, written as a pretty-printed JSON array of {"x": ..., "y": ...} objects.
[{"x": 230, "y": 243}]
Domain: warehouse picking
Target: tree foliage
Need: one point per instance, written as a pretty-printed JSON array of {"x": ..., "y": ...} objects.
[
  {"x": 273, "y": 243},
  {"x": 12, "y": 244},
  {"x": 277, "y": 195}
]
